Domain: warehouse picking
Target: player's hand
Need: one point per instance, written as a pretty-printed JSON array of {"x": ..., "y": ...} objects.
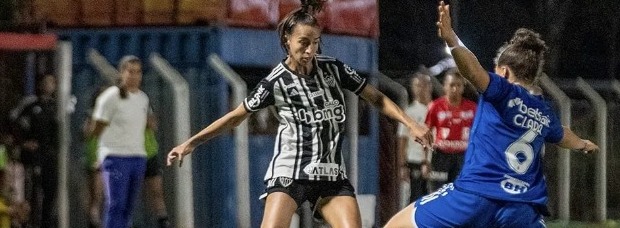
[
  {"x": 179, "y": 152},
  {"x": 422, "y": 135},
  {"x": 444, "y": 25},
  {"x": 589, "y": 147}
]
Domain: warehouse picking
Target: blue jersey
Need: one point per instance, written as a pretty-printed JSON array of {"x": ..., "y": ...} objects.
[{"x": 504, "y": 157}]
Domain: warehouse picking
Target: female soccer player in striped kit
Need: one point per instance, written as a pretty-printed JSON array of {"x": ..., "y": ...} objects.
[
  {"x": 307, "y": 92},
  {"x": 502, "y": 182}
]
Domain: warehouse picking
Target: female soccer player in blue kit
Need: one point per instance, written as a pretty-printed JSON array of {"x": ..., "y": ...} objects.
[{"x": 502, "y": 182}]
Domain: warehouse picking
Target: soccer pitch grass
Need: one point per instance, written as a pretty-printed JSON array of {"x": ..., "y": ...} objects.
[{"x": 560, "y": 224}]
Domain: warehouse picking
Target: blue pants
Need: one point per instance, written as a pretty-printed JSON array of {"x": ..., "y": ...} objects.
[
  {"x": 123, "y": 178},
  {"x": 449, "y": 207}
]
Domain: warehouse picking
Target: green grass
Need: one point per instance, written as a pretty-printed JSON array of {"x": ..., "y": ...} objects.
[{"x": 607, "y": 224}]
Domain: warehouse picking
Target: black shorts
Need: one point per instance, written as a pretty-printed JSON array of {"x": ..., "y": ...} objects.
[
  {"x": 152, "y": 167},
  {"x": 449, "y": 165},
  {"x": 307, "y": 190}
]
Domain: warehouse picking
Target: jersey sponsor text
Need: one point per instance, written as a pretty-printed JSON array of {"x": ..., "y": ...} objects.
[
  {"x": 258, "y": 96},
  {"x": 514, "y": 186},
  {"x": 322, "y": 169},
  {"x": 333, "y": 110},
  {"x": 529, "y": 118}
]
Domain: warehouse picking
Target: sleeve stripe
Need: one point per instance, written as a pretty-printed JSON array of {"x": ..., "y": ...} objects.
[
  {"x": 361, "y": 87},
  {"x": 276, "y": 72}
]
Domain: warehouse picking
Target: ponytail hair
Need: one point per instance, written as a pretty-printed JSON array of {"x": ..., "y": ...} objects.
[
  {"x": 524, "y": 54},
  {"x": 122, "y": 65},
  {"x": 304, "y": 15},
  {"x": 312, "y": 6}
]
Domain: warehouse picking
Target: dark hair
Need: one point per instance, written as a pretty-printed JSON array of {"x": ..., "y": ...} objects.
[
  {"x": 421, "y": 74},
  {"x": 122, "y": 65},
  {"x": 524, "y": 54},
  {"x": 420, "y": 71},
  {"x": 303, "y": 15},
  {"x": 456, "y": 74}
]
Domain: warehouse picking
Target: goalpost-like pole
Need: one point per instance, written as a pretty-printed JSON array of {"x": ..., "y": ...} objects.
[{"x": 64, "y": 74}]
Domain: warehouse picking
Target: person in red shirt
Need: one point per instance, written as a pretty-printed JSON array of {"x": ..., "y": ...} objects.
[{"x": 450, "y": 117}]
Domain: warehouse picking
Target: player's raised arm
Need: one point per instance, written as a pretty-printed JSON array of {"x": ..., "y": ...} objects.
[
  {"x": 466, "y": 61},
  {"x": 387, "y": 107},
  {"x": 574, "y": 142}
]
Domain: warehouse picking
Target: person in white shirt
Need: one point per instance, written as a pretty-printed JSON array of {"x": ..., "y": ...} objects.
[
  {"x": 412, "y": 156},
  {"x": 120, "y": 117}
]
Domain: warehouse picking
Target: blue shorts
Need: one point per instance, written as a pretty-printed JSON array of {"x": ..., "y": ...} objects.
[{"x": 449, "y": 207}]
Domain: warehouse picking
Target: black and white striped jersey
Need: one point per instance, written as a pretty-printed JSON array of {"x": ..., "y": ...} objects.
[{"x": 311, "y": 111}]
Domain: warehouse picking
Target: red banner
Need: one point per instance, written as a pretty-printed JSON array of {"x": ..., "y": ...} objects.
[{"x": 27, "y": 42}]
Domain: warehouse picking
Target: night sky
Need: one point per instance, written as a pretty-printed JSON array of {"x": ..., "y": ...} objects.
[{"x": 582, "y": 36}]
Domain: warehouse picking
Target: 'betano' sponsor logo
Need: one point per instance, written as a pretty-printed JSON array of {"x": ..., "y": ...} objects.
[{"x": 529, "y": 118}]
